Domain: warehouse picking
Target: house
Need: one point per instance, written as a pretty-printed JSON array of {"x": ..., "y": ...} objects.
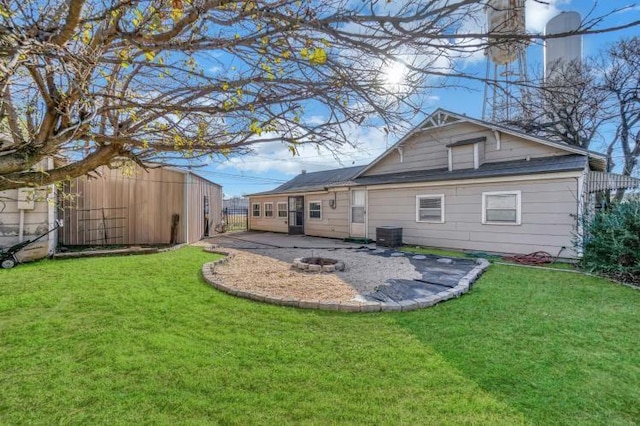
[
  {"x": 27, "y": 213},
  {"x": 452, "y": 182},
  {"x": 153, "y": 206}
]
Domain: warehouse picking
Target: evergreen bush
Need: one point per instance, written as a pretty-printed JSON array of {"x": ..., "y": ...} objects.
[{"x": 612, "y": 241}]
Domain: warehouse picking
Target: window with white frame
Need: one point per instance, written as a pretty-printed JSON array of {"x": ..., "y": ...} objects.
[
  {"x": 501, "y": 207},
  {"x": 315, "y": 210},
  {"x": 430, "y": 208},
  {"x": 282, "y": 209},
  {"x": 268, "y": 209},
  {"x": 255, "y": 210}
]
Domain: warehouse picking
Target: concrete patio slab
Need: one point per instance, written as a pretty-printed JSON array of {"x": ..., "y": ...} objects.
[{"x": 258, "y": 240}]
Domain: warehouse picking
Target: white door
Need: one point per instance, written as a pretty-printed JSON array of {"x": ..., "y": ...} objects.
[{"x": 358, "y": 213}]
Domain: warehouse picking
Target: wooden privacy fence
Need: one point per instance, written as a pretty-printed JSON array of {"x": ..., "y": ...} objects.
[{"x": 600, "y": 181}]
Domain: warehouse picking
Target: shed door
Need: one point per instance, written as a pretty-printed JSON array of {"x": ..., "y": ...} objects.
[{"x": 358, "y": 213}]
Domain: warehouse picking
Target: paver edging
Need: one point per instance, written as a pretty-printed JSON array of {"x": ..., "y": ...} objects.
[{"x": 463, "y": 286}]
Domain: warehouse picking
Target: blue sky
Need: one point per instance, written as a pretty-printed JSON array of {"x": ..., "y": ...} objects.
[{"x": 272, "y": 163}]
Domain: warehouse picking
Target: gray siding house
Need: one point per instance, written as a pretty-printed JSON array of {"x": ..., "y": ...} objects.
[{"x": 452, "y": 182}]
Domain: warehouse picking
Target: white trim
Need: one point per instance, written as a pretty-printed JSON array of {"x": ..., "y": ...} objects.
[
  {"x": 264, "y": 209},
  {"x": 319, "y": 203},
  {"x": 286, "y": 209},
  {"x": 450, "y": 158},
  {"x": 366, "y": 214},
  {"x": 498, "y": 136},
  {"x": 259, "y": 210},
  {"x": 476, "y": 156},
  {"x": 518, "y": 195},
  {"x": 418, "y": 197}
]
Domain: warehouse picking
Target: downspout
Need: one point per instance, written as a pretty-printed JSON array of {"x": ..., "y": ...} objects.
[
  {"x": 187, "y": 181},
  {"x": 582, "y": 211}
]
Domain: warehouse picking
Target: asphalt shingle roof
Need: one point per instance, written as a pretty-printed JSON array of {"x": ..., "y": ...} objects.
[
  {"x": 338, "y": 177},
  {"x": 317, "y": 180}
]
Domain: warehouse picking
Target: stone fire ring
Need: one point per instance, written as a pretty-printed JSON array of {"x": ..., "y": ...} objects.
[{"x": 317, "y": 264}]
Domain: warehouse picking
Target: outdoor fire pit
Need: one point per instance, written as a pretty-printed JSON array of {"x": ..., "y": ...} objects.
[{"x": 318, "y": 264}]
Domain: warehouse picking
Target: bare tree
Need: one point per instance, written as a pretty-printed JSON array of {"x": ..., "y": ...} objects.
[
  {"x": 621, "y": 80},
  {"x": 569, "y": 106},
  {"x": 89, "y": 82}
]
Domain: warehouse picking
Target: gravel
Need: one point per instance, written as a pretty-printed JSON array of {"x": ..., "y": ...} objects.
[{"x": 363, "y": 271}]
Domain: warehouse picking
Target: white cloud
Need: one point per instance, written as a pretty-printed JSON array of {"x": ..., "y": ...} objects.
[
  {"x": 276, "y": 157},
  {"x": 538, "y": 13}
]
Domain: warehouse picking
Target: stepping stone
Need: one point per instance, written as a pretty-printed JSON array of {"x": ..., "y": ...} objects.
[
  {"x": 445, "y": 260},
  {"x": 397, "y": 254},
  {"x": 419, "y": 257},
  {"x": 378, "y": 251}
]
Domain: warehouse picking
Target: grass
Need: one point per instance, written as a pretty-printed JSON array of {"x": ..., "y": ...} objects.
[{"x": 143, "y": 339}]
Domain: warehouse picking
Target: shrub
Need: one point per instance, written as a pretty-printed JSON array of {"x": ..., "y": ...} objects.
[{"x": 612, "y": 241}]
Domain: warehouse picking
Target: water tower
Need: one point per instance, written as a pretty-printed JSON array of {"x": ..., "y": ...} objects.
[
  {"x": 506, "y": 59},
  {"x": 564, "y": 49}
]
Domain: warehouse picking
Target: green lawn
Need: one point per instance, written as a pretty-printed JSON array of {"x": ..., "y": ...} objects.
[{"x": 143, "y": 339}]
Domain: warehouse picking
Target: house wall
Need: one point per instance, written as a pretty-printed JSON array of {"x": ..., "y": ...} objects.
[
  {"x": 515, "y": 148},
  {"x": 273, "y": 224},
  {"x": 197, "y": 188},
  {"x": 133, "y": 209},
  {"x": 462, "y": 157},
  {"x": 548, "y": 216},
  {"x": 427, "y": 149},
  {"x": 36, "y": 220},
  {"x": 334, "y": 222}
]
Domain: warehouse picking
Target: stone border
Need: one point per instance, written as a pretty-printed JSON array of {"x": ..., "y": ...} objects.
[
  {"x": 311, "y": 267},
  {"x": 356, "y": 305},
  {"x": 173, "y": 247}
]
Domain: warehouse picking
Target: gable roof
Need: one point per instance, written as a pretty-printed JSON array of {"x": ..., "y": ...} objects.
[
  {"x": 317, "y": 181},
  {"x": 442, "y": 117}
]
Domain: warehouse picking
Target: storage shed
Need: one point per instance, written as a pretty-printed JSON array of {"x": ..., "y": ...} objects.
[{"x": 154, "y": 206}]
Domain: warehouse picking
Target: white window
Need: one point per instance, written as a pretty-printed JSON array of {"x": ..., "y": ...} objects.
[
  {"x": 315, "y": 210},
  {"x": 255, "y": 210},
  {"x": 282, "y": 209},
  {"x": 501, "y": 208},
  {"x": 430, "y": 208},
  {"x": 268, "y": 209}
]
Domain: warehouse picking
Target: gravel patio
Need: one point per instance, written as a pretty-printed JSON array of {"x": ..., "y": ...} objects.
[{"x": 262, "y": 264}]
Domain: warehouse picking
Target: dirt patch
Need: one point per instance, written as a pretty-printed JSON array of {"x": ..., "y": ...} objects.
[{"x": 271, "y": 277}]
